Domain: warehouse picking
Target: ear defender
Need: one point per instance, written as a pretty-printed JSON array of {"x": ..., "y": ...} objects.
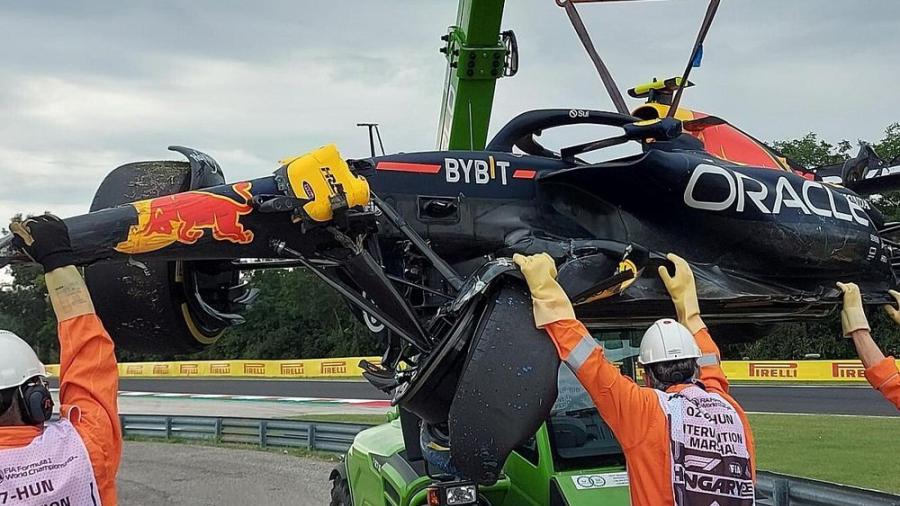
[{"x": 36, "y": 403}]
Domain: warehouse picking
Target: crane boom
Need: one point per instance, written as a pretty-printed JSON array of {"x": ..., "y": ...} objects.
[{"x": 477, "y": 55}]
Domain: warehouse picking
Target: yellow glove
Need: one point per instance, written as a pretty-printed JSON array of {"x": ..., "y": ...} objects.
[
  {"x": 852, "y": 315},
  {"x": 551, "y": 304},
  {"x": 683, "y": 290},
  {"x": 68, "y": 294},
  {"x": 891, "y": 310}
]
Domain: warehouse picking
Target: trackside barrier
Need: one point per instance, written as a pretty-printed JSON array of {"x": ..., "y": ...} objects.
[
  {"x": 775, "y": 489},
  {"x": 751, "y": 370},
  {"x": 772, "y": 489},
  {"x": 326, "y": 437},
  {"x": 297, "y": 369}
]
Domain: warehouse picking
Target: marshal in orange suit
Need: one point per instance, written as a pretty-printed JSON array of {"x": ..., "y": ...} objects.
[{"x": 73, "y": 460}]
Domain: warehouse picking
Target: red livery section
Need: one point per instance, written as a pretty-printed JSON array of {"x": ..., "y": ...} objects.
[
  {"x": 524, "y": 174},
  {"x": 421, "y": 168}
]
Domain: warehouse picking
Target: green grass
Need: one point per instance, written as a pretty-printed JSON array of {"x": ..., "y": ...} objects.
[
  {"x": 348, "y": 418},
  {"x": 852, "y": 450}
]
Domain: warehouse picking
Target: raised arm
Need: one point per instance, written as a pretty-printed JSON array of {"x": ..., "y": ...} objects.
[
  {"x": 89, "y": 376},
  {"x": 711, "y": 373},
  {"x": 683, "y": 289},
  {"x": 881, "y": 372},
  {"x": 620, "y": 401},
  {"x": 88, "y": 372}
]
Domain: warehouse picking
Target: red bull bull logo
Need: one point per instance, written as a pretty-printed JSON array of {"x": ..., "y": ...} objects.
[{"x": 185, "y": 218}]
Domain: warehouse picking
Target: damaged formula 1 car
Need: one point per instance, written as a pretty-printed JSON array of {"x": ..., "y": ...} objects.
[{"x": 419, "y": 245}]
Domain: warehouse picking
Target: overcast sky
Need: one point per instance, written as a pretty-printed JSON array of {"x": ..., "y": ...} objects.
[{"x": 86, "y": 86}]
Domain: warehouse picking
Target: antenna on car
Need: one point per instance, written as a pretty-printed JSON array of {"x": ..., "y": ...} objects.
[
  {"x": 373, "y": 132},
  {"x": 696, "y": 55}
]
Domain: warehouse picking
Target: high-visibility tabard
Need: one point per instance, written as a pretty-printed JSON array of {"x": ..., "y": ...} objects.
[
  {"x": 710, "y": 461},
  {"x": 54, "y": 470}
]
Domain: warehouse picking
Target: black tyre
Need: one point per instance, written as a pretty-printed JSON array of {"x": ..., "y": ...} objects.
[
  {"x": 511, "y": 373},
  {"x": 340, "y": 492},
  {"x": 142, "y": 305}
]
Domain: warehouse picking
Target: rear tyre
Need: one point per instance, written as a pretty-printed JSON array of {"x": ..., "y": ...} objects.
[
  {"x": 340, "y": 492},
  {"x": 142, "y": 305}
]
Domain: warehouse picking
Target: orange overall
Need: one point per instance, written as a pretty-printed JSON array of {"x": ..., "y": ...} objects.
[
  {"x": 634, "y": 413},
  {"x": 89, "y": 383},
  {"x": 885, "y": 377}
]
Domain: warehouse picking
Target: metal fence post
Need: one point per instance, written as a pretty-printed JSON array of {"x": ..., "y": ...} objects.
[
  {"x": 168, "y": 427},
  {"x": 218, "y": 429},
  {"x": 311, "y": 437},
  {"x": 263, "y": 433},
  {"x": 122, "y": 424},
  {"x": 781, "y": 493}
]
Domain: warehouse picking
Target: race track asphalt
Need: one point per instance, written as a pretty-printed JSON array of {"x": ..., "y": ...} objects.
[{"x": 843, "y": 400}]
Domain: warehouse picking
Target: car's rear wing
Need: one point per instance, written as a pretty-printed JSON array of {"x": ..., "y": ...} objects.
[{"x": 866, "y": 173}]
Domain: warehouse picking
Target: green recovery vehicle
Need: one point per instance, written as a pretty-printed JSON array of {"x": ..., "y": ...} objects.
[{"x": 573, "y": 458}]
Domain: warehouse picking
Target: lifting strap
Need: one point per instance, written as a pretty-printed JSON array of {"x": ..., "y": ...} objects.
[
  {"x": 585, "y": 38},
  {"x": 698, "y": 44}
]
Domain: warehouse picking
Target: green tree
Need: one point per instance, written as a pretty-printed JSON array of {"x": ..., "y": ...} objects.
[
  {"x": 25, "y": 310},
  {"x": 889, "y": 146},
  {"x": 810, "y": 151},
  {"x": 296, "y": 315}
]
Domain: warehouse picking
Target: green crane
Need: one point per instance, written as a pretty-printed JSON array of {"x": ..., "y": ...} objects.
[{"x": 478, "y": 54}]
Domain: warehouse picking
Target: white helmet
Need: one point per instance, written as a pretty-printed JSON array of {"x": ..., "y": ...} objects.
[
  {"x": 18, "y": 362},
  {"x": 667, "y": 340}
]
